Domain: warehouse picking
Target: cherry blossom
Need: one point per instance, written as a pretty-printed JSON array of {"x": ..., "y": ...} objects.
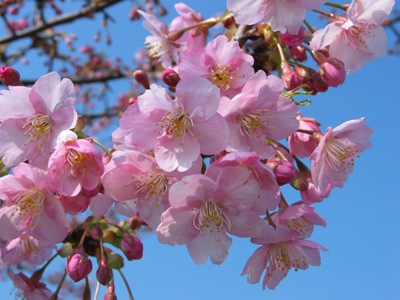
[
  {"x": 359, "y": 36},
  {"x": 280, "y": 15},
  {"x": 258, "y": 115},
  {"x": 30, "y": 206},
  {"x": 223, "y": 63},
  {"x": 334, "y": 157},
  {"x": 32, "y": 118},
  {"x": 203, "y": 211},
  {"x": 281, "y": 251}
]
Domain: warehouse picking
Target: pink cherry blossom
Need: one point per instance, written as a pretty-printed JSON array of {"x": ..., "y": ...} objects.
[
  {"x": 159, "y": 44},
  {"x": 191, "y": 39},
  {"x": 25, "y": 248},
  {"x": 300, "y": 218},
  {"x": 280, "y": 15},
  {"x": 334, "y": 157},
  {"x": 30, "y": 206},
  {"x": 29, "y": 288},
  {"x": 268, "y": 190},
  {"x": 74, "y": 165},
  {"x": 359, "y": 36},
  {"x": 223, "y": 63},
  {"x": 203, "y": 211},
  {"x": 258, "y": 115},
  {"x": 32, "y": 118},
  {"x": 281, "y": 251},
  {"x": 177, "y": 130},
  {"x": 136, "y": 176}
]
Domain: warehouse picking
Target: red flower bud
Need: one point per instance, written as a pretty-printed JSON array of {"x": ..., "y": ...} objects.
[{"x": 9, "y": 76}]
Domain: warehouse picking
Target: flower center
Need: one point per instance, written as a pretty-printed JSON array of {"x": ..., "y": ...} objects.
[
  {"x": 253, "y": 124},
  {"x": 299, "y": 225},
  {"x": 281, "y": 259},
  {"x": 38, "y": 128},
  {"x": 29, "y": 246},
  {"x": 338, "y": 155},
  {"x": 151, "y": 186},
  {"x": 355, "y": 35},
  {"x": 78, "y": 162},
  {"x": 210, "y": 217},
  {"x": 221, "y": 77},
  {"x": 177, "y": 123},
  {"x": 28, "y": 204}
]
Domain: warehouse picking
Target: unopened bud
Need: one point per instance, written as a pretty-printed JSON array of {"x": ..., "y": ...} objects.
[
  {"x": 170, "y": 77},
  {"x": 110, "y": 293},
  {"x": 9, "y": 76},
  {"x": 142, "y": 78},
  {"x": 78, "y": 266},
  {"x": 131, "y": 246},
  {"x": 103, "y": 273},
  {"x": 284, "y": 170},
  {"x": 333, "y": 72}
]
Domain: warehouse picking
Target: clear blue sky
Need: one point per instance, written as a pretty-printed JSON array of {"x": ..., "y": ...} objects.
[{"x": 362, "y": 235}]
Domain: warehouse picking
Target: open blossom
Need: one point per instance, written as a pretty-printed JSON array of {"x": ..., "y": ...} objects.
[
  {"x": 32, "y": 118},
  {"x": 29, "y": 288},
  {"x": 222, "y": 62},
  {"x": 75, "y": 164},
  {"x": 258, "y": 115},
  {"x": 281, "y": 15},
  {"x": 30, "y": 206},
  {"x": 203, "y": 211},
  {"x": 25, "y": 248},
  {"x": 359, "y": 36},
  {"x": 159, "y": 44},
  {"x": 334, "y": 157},
  {"x": 268, "y": 190},
  {"x": 177, "y": 130},
  {"x": 281, "y": 251},
  {"x": 300, "y": 218},
  {"x": 135, "y": 176}
]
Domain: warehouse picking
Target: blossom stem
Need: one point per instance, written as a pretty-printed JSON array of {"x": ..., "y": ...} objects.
[
  {"x": 96, "y": 293},
  {"x": 308, "y": 26},
  {"x": 336, "y": 5},
  {"x": 324, "y": 13},
  {"x": 102, "y": 147},
  {"x": 310, "y": 132},
  {"x": 55, "y": 295},
  {"x": 126, "y": 284}
]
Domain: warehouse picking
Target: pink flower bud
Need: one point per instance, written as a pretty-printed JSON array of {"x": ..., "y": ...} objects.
[
  {"x": 293, "y": 39},
  {"x": 170, "y": 77},
  {"x": 290, "y": 79},
  {"x": 78, "y": 266},
  {"x": 131, "y": 246},
  {"x": 142, "y": 78},
  {"x": 103, "y": 273},
  {"x": 9, "y": 76},
  {"x": 333, "y": 72},
  {"x": 284, "y": 170}
]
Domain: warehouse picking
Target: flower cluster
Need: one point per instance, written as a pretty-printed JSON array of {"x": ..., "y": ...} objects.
[{"x": 199, "y": 158}]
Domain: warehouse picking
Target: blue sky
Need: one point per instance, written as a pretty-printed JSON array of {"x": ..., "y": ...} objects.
[{"x": 362, "y": 233}]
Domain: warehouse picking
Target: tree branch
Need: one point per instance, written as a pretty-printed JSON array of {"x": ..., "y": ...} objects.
[{"x": 67, "y": 18}]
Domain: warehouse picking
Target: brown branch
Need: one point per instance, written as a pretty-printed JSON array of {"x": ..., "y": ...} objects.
[{"x": 67, "y": 18}]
